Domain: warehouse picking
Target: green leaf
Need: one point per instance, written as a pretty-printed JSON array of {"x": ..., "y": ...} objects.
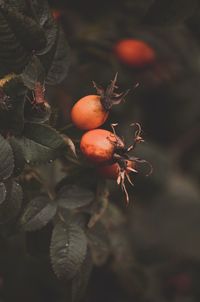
[
  {"x": 68, "y": 250},
  {"x": 39, "y": 114},
  {"x": 80, "y": 281},
  {"x": 55, "y": 56},
  {"x": 99, "y": 243},
  {"x": 9, "y": 209},
  {"x": 41, "y": 143},
  {"x": 3, "y": 192},
  {"x": 38, "y": 213},
  {"x": 43, "y": 134},
  {"x": 33, "y": 72},
  {"x": 6, "y": 159},
  {"x": 19, "y": 159},
  {"x": 73, "y": 196}
]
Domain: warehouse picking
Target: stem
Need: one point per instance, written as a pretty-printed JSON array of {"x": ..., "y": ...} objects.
[
  {"x": 73, "y": 160},
  {"x": 67, "y": 127}
]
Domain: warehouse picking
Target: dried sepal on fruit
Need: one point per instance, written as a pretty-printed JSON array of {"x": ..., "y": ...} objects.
[
  {"x": 109, "y": 151},
  {"x": 109, "y": 97},
  {"x": 38, "y": 109},
  {"x": 92, "y": 111},
  {"x": 124, "y": 158},
  {"x": 37, "y": 95}
]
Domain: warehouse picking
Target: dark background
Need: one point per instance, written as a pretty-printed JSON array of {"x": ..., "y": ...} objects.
[{"x": 164, "y": 212}]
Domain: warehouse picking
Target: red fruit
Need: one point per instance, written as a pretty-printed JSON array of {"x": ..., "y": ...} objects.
[
  {"x": 56, "y": 13},
  {"x": 113, "y": 171},
  {"x": 92, "y": 111},
  {"x": 99, "y": 145},
  {"x": 135, "y": 53},
  {"x": 88, "y": 113}
]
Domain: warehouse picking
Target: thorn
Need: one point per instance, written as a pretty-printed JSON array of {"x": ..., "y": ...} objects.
[{"x": 136, "y": 85}]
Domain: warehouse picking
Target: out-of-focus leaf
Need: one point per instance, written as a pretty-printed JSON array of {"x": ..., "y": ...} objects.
[
  {"x": 40, "y": 143},
  {"x": 20, "y": 5},
  {"x": 3, "y": 192},
  {"x": 115, "y": 223},
  {"x": 38, "y": 242},
  {"x": 13, "y": 118},
  {"x": 80, "y": 281},
  {"x": 13, "y": 57},
  {"x": 60, "y": 64},
  {"x": 170, "y": 12},
  {"x": 26, "y": 29},
  {"x": 43, "y": 15},
  {"x": 68, "y": 250},
  {"x": 9, "y": 209},
  {"x": 38, "y": 213},
  {"x": 73, "y": 196},
  {"x": 137, "y": 8},
  {"x": 99, "y": 243},
  {"x": 101, "y": 203},
  {"x": 55, "y": 56},
  {"x": 6, "y": 159}
]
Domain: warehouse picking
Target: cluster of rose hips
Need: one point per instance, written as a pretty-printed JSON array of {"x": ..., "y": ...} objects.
[{"x": 102, "y": 147}]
